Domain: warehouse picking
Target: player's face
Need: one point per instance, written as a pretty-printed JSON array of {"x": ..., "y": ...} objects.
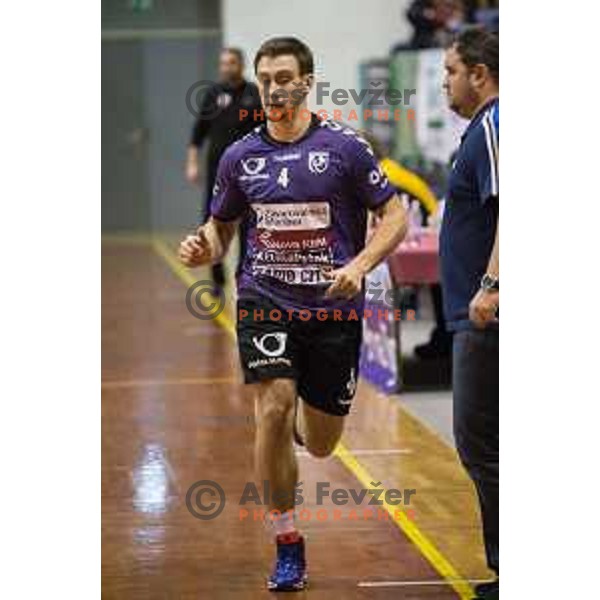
[
  {"x": 230, "y": 67},
  {"x": 458, "y": 85},
  {"x": 282, "y": 89}
]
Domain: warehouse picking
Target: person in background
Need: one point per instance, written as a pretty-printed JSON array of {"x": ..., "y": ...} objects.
[
  {"x": 408, "y": 182},
  {"x": 434, "y": 21},
  {"x": 483, "y": 12},
  {"x": 469, "y": 254},
  {"x": 220, "y": 123},
  {"x": 423, "y": 17}
]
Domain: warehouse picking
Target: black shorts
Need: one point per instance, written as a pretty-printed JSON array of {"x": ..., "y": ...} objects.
[{"x": 321, "y": 356}]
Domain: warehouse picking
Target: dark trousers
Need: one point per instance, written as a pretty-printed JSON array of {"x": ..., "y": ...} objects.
[{"x": 476, "y": 424}]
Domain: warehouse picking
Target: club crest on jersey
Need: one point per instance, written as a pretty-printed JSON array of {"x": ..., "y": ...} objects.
[
  {"x": 254, "y": 165},
  {"x": 318, "y": 162}
]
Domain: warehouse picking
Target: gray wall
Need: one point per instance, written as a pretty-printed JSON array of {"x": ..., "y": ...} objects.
[
  {"x": 149, "y": 60},
  {"x": 163, "y": 14}
]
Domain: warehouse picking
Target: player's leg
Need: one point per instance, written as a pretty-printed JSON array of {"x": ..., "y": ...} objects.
[
  {"x": 320, "y": 432},
  {"x": 274, "y": 451},
  {"x": 329, "y": 356},
  {"x": 267, "y": 354},
  {"x": 276, "y": 463}
]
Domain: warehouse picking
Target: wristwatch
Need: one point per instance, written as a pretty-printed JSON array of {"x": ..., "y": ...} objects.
[{"x": 490, "y": 283}]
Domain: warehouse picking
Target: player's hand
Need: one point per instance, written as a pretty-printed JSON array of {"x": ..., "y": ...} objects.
[
  {"x": 194, "y": 250},
  {"x": 346, "y": 282},
  {"x": 483, "y": 307},
  {"x": 191, "y": 171}
]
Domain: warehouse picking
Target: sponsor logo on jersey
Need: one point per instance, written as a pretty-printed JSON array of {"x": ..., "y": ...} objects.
[
  {"x": 271, "y": 344},
  {"x": 254, "y": 165},
  {"x": 287, "y": 157},
  {"x": 329, "y": 124},
  {"x": 351, "y": 384},
  {"x": 292, "y": 240},
  {"x": 377, "y": 177},
  {"x": 310, "y": 275},
  {"x": 292, "y": 216}
]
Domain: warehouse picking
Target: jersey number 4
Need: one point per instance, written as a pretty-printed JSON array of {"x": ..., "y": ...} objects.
[{"x": 284, "y": 178}]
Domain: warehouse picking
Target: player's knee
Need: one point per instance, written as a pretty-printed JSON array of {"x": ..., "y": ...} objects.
[
  {"x": 276, "y": 413},
  {"x": 321, "y": 450},
  {"x": 321, "y": 431},
  {"x": 276, "y": 405}
]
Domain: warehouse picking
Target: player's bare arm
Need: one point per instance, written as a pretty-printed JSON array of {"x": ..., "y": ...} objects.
[
  {"x": 209, "y": 245},
  {"x": 390, "y": 231}
]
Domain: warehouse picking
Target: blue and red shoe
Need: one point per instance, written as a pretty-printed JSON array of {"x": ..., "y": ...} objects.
[{"x": 289, "y": 574}]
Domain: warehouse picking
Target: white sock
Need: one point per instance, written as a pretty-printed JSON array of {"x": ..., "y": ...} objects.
[{"x": 283, "y": 523}]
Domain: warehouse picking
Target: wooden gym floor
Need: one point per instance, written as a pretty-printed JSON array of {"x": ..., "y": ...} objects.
[{"x": 174, "y": 411}]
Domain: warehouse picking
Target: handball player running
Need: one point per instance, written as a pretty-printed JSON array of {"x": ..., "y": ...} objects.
[{"x": 302, "y": 188}]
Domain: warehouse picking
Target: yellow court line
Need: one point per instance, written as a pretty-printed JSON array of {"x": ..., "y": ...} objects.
[
  {"x": 126, "y": 238},
  {"x": 186, "y": 276},
  {"x": 427, "y": 548},
  {"x": 130, "y": 383}
]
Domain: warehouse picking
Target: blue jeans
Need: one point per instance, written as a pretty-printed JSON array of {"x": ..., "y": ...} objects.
[{"x": 476, "y": 424}]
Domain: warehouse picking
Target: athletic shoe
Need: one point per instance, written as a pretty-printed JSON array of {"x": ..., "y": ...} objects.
[{"x": 289, "y": 573}]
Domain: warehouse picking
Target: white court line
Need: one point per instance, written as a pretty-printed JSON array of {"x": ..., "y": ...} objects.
[
  {"x": 367, "y": 452},
  {"x": 442, "y": 582}
]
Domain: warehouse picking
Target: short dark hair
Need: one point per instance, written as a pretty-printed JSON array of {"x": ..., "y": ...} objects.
[
  {"x": 237, "y": 52},
  {"x": 479, "y": 46},
  {"x": 287, "y": 45}
]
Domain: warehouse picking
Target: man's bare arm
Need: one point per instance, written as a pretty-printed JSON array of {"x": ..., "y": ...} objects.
[
  {"x": 219, "y": 235},
  {"x": 390, "y": 231},
  {"x": 209, "y": 245}
]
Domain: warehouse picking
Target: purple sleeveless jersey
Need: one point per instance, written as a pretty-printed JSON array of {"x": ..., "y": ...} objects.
[{"x": 303, "y": 206}]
